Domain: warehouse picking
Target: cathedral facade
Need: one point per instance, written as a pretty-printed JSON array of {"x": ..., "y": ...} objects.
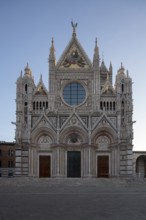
[{"x": 81, "y": 125}]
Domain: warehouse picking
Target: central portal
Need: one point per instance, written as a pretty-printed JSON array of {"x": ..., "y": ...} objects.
[{"x": 73, "y": 164}]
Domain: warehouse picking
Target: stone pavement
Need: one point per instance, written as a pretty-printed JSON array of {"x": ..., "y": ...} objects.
[{"x": 72, "y": 199}]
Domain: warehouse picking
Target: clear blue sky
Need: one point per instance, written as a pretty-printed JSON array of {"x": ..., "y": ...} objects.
[{"x": 26, "y": 29}]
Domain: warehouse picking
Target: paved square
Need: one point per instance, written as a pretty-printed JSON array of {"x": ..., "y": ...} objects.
[{"x": 72, "y": 199}]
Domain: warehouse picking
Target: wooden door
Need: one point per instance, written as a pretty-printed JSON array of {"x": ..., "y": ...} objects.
[
  {"x": 44, "y": 166},
  {"x": 73, "y": 164},
  {"x": 103, "y": 166}
]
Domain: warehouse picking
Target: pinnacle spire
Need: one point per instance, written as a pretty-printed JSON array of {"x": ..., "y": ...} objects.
[
  {"x": 110, "y": 67},
  {"x": 122, "y": 67},
  {"x": 27, "y": 70},
  {"x": 96, "y": 42},
  {"x": 21, "y": 74},
  {"x": 96, "y": 50},
  {"x": 41, "y": 79},
  {"x": 52, "y": 50},
  {"x": 107, "y": 77}
]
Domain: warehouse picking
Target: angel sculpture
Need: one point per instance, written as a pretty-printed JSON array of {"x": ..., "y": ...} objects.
[{"x": 74, "y": 26}]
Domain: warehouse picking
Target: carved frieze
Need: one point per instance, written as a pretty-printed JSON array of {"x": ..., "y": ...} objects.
[{"x": 45, "y": 139}]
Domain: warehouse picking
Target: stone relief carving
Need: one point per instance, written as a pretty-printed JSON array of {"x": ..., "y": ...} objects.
[
  {"x": 74, "y": 58},
  {"x": 74, "y": 139},
  {"x": 73, "y": 121},
  {"x": 103, "y": 142},
  {"x": 45, "y": 139}
]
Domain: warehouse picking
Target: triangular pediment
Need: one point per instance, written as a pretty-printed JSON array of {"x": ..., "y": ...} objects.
[
  {"x": 72, "y": 121},
  {"x": 40, "y": 89},
  {"x": 74, "y": 57},
  {"x": 42, "y": 122},
  {"x": 103, "y": 121},
  {"x": 108, "y": 88}
]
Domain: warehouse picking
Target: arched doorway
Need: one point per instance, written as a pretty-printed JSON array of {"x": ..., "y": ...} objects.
[
  {"x": 73, "y": 164},
  {"x": 141, "y": 166},
  {"x": 40, "y": 160},
  {"x": 76, "y": 153},
  {"x": 103, "y": 166},
  {"x": 44, "y": 166},
  {"x": 103, "y": 143}
]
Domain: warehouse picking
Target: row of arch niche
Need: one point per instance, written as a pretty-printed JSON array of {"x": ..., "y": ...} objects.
[
  {"x": 108, "y": 106},
  {"x": 40, "y": 105},
  {"x": 102, "y": 141}
]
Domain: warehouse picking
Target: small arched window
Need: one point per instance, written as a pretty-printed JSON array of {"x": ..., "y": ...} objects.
[
  {"x": 25, "y": 112},
  {"x": 26, "y": 88},
  {"x": 101, "y": 106},
  {"x": 122, "y": 87},
  {"x": 33, "y": 105},
  {"x": 122, "y": 104},
  {"x": 11, "y": 152}
]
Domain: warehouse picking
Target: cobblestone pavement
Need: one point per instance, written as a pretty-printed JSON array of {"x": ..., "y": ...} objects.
[{"x": 72, "y": 199}]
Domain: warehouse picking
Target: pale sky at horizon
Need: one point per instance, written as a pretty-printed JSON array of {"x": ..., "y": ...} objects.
[{"x": 27, "y": 28}]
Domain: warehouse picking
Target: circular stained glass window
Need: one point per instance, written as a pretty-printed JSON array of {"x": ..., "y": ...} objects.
[{"x": 74, "y": 93}]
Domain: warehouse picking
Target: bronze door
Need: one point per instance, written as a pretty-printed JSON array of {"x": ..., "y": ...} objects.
[
  {"x": 44, "y": 166},
  {"x": 73, "y": 164},
  {"x": 103, "y": 166}
]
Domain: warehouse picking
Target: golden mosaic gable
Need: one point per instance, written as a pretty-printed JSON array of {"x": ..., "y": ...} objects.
[{"x": 74, "y": 59}]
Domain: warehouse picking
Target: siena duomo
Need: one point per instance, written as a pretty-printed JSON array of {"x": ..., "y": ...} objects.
[{"x": 81, "y": 125}]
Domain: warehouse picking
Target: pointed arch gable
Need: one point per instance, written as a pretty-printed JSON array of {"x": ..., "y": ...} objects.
[
  {"x": 104, "y": 131},
  {"x": 38, "y": 133}
]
